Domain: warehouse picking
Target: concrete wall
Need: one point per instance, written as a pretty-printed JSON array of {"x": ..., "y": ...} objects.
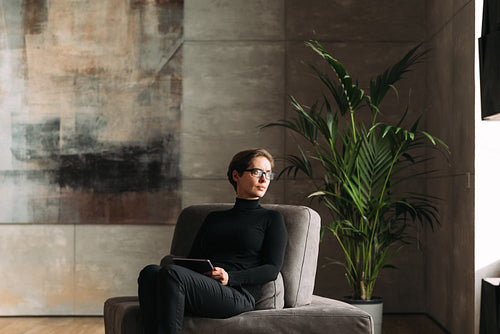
[
  {"x": 241, "y": 61},
  {"x": 71, "y": 269},
  {"x": 450, "y": 85}
]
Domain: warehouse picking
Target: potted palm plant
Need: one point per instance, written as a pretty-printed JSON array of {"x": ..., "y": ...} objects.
[{"x": 364, "y": 167}]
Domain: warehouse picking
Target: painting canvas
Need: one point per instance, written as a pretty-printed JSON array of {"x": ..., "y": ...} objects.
[{"x": 90, "y": 106}]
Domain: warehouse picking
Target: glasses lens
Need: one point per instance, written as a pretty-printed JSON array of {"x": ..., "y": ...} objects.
[{"x": 258, "y": 173}]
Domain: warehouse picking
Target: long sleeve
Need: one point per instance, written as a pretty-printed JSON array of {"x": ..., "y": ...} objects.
[{"x": 248, "y": 241}]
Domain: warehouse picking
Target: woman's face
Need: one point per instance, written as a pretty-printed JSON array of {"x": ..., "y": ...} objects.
[{"x": 250, "y": 187}]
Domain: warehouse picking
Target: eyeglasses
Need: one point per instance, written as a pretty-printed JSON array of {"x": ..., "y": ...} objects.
[{"x": 255, "y": 172}]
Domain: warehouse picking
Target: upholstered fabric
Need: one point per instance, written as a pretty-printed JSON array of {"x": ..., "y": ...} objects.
[
  {"x": 272, "y": 295},
  {"x": 323, "y": 315},
  {"x": 122, "y": 316}
]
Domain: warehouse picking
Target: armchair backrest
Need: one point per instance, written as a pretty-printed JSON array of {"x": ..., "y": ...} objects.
[{"x": 301, "y": 255}]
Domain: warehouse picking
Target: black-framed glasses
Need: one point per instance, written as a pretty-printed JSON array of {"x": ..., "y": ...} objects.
[{"x": 255, "y": 172}]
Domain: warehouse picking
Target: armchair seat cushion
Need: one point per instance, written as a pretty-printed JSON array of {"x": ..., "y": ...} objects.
[{"x": 323, "y": 315}]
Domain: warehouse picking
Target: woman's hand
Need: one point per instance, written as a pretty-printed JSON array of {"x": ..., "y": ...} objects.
[{"x": 220, "y": 275}]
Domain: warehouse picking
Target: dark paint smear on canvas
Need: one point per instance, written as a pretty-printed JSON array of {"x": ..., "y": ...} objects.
[
  {"x": 35, "y": 15},
  {"x": 140, "y": 167},
  {"x": 132, "y": 168}
]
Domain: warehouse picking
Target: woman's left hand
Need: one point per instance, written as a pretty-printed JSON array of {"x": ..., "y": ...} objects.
[{"x": 220, "y": 275}]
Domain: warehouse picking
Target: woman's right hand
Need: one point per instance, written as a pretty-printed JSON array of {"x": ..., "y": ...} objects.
[{"x": 220, "y": 275}]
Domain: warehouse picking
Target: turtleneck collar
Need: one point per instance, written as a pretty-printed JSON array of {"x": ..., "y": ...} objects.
[{"x": 246, "y": 204}]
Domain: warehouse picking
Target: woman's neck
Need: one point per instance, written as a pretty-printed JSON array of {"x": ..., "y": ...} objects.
[{"x": 242, "y": 203}]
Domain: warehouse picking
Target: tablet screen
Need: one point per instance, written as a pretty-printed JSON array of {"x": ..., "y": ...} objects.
[{"x": 198, "y": 265}]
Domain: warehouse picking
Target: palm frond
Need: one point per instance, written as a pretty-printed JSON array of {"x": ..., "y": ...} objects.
[{"x": 383, "y": 82}]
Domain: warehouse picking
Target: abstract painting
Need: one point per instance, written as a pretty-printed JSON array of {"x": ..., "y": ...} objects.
[{"x": 90, "y": 111}]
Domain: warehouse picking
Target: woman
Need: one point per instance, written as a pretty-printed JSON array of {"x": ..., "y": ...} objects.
[{"x": 246, "y": 244}]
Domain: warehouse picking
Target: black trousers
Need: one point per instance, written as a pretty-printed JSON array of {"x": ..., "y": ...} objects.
[{"x": 166, "y": 293}]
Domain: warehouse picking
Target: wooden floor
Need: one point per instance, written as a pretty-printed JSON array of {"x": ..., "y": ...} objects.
[
  {"x": 392, "y": 324},
  {"x": 51, "y": 325}
]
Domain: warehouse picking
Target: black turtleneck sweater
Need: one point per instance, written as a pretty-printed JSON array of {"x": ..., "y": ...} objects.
[{"x": 247, "y": 241}]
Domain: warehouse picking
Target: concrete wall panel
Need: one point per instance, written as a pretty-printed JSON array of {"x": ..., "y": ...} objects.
[
  {"x": 71, "y": 269},
  {"x": 450, "y": 250},
  {"x": 363, "y": 61},
  {"x": 364, "y": 20},
  {"x": 229, "y": 90},
  {"x": 37, "y": 269},
  {"x": 438, "y": 13},
  {"x": 108, "y": 260},
  {"x": 234, "y": 20},
  {"x": 449, "y": 260}
]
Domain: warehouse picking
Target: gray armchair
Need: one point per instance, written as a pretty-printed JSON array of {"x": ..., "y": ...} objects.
[{"x": 287, "y": 304}]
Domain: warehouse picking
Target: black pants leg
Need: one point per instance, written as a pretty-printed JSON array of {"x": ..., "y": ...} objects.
[
  {"x": 147, "y": 298},
  {"x": 165, "y": 293}
]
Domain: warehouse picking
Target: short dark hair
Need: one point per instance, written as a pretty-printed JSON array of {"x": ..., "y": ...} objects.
[{"x": 242, "y": 161}]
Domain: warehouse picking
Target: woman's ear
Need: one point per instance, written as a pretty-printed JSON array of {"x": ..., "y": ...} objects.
[{"x": 235, "y": 175}]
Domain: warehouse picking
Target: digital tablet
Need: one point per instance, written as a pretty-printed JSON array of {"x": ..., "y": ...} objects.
[{"x": 198, "y": 265}]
